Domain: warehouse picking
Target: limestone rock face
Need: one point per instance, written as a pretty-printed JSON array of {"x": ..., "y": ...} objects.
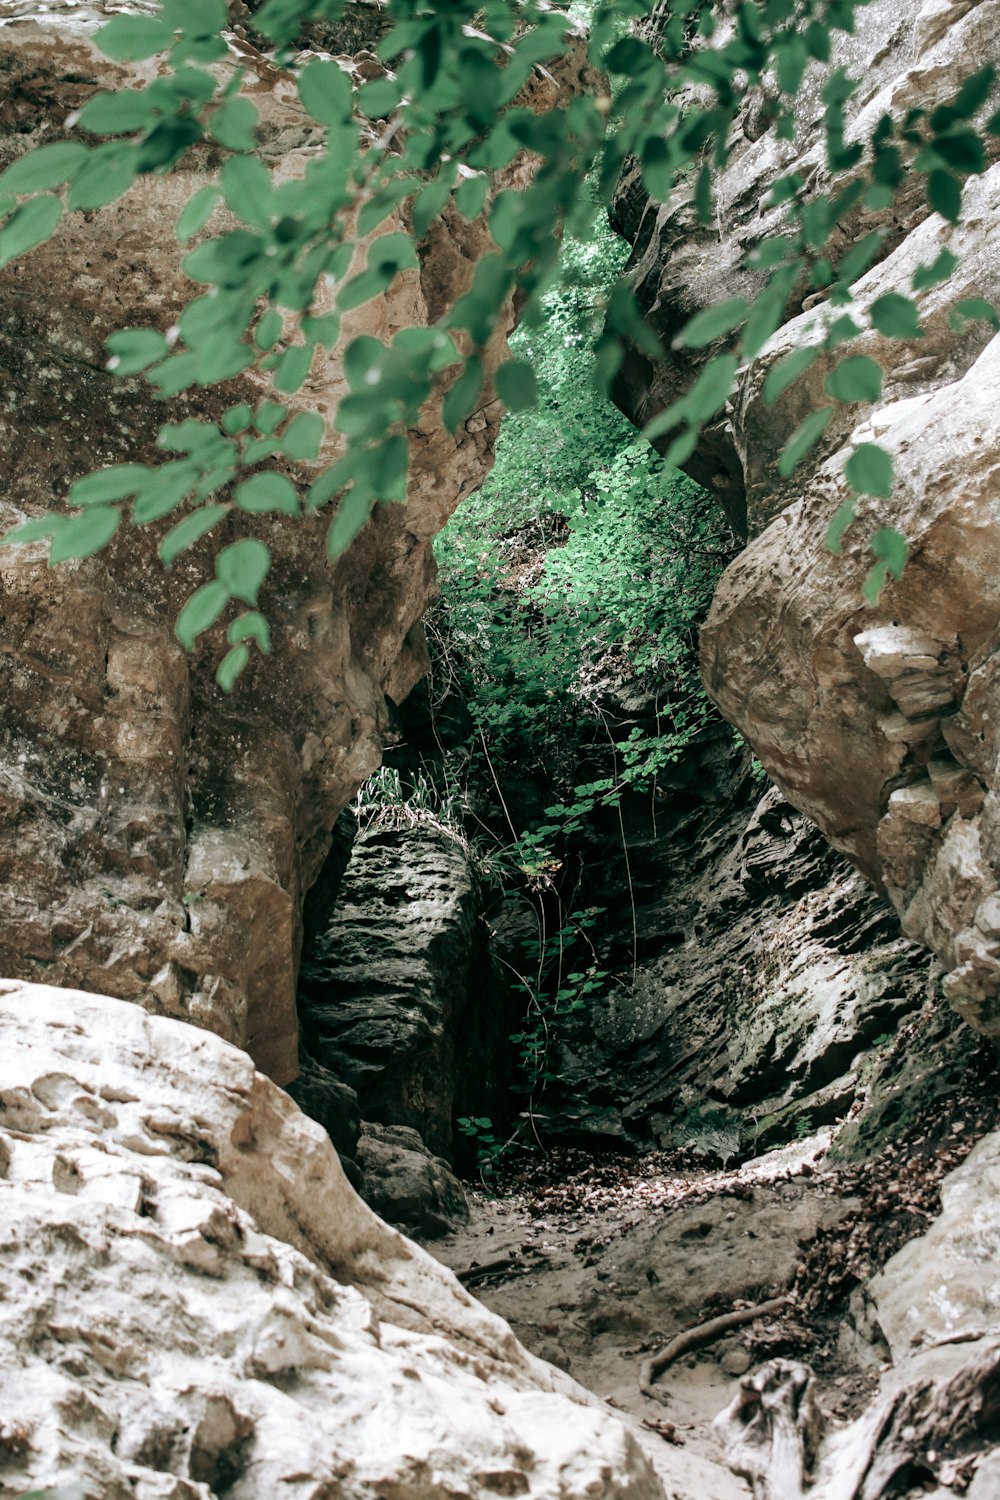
[
  {"x": 193, "y": 1301},
  {"x": 877, "y": 721},
  {"x": 766, "y": 966},
  {"x": 156, "y": 836}
]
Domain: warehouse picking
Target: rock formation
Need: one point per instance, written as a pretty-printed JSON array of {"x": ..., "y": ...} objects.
[
  {"x": 157, "y": 837},
  {"x": 765, "y": 969},
  {"x": 193, "y": 1301},
  {"x": 934, "y": 1308},
  {"x": 875, "y": 720},
  {"x": 398, "y": 1009}
]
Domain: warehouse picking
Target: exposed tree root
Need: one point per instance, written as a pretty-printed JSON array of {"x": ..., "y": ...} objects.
[
  {"x": 772, "y": 1428},
  {"x": 704, "y": 1333},
  {"x": 929, "y": 1432}
]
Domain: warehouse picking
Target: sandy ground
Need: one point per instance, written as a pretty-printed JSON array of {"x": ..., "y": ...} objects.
[{"x": 597, "y": 1271}]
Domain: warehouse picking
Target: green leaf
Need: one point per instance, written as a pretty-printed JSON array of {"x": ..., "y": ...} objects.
[
  {"x": 303, "y": 435},
  {"x": 135, "y": 349},
  {"x": 323, "y": 330},
  {"x": 972, "y": 310},
  {"x": 710, "y": 390},
  {"x": 28, "y": 226},
  {"x": 109, "y": 172},
  {"x": 786, "y": 372},
  {"x": 115, "y": 483},
  {"x": 195, "y": 18},
  {"x": 805, "y": 436},
  {"x": 470, "y": 195},
  {"x": 270, "y": 415},
  {"x": 233, "y": 124},
  {"x": 116, "y": 114},
  {"x": 242, "y": 568},
  {"x": 391, "y": 468},
  {"x": 82, "y": 536},
  {"x": 896, "y": 316},
  {"x": 461, "y": 400},
  {"x": 293, "y": 368},
  {"x": 130, "y": 38},
  {"x": 869, "y": 471},
  {"x": 189, "y": 531},
  {"x": 331, "y": 481},
  {"x": 944, "y": 194},
  {"x": 246, "y": 187},
  {"x": 840, "y": 331},
  {"x": 200, "y": 612},
  {"x": 250, "y": 627},
  {"x": 231, "y": 666},
  {"x": 379, "y": 98},
  {"x": 33, "y": 530},
  {"x": 659, "y": 168},
  {"x": 383, "y": 203},
  {"x": 196, "y": 213},
  {"x": 890, "y": 547},
  {"x": 325, "y": 91},
  {"x": 707, "y": 326},
  {"x": 939, "y": 270},
  {"x": 237, "y": 418},
  {"x": 682, "y": 447},
  {"x": 352, "y": 513},
  {"x": 962, "y": 150},
  {"x": 856, "y": 378},
  {"x": 860, "y": 256},
  {"x": 269, "y": 329},
  {"x": 792, "y": 60},
  {"x": 164, "y": 492},
  {"x": 428, "y": 203},
  {"x": 47, "y": 167},
  {"x": 517, "y": 385},
  {"x": 974, "y": 92},
  {"x": 842, "y": 518},
  {"x": 267, "y": 492}
]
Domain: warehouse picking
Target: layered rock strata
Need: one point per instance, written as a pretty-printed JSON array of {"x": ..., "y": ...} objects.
[
  {"x": 194, "y": 1303},
  {"x": 877, "y": 721},
  {"x": 765, "y": 970}
]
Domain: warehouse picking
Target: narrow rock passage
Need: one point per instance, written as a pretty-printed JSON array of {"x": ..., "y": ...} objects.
[{"x": 599, "y": 1263}]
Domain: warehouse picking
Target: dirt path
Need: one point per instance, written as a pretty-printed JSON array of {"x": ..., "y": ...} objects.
[{"x": 598, "y": 1264}]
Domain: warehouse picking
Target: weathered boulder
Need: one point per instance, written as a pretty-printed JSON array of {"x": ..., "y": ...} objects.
[
  {"x": 193, "y": 1301},
  {"x": 406, "y": 1185},
  {"x": 877, "y": 721},
  {"x": 157, "y": 837}
]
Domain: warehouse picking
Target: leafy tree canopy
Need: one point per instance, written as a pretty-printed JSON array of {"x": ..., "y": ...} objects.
[{"x": 424, "y": 138}]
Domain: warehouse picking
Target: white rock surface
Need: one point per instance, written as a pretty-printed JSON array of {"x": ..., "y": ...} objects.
[{"x": 194, "y": 1302}]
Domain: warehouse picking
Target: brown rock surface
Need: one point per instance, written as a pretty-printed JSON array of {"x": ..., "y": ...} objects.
[
  {"x": 877, "y": 721},
  {"x": 156, "y": 836}
]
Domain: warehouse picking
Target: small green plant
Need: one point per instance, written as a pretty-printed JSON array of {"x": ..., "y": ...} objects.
[
  {"x": 489, "y": 1147},
  {"x": 804, "y": 1127},
  {"x": 388, "y": 801},
  {"x": 711, "y": 1132}
]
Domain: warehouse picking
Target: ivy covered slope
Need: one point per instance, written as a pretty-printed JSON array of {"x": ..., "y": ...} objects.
[
  {"x": 156, "y": 835},
  {"x": 875, "y": 715},
  {"x": 576, "y": 577}
]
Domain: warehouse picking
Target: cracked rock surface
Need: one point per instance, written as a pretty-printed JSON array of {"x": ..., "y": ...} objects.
[{"x": 194, "y": 1302}]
